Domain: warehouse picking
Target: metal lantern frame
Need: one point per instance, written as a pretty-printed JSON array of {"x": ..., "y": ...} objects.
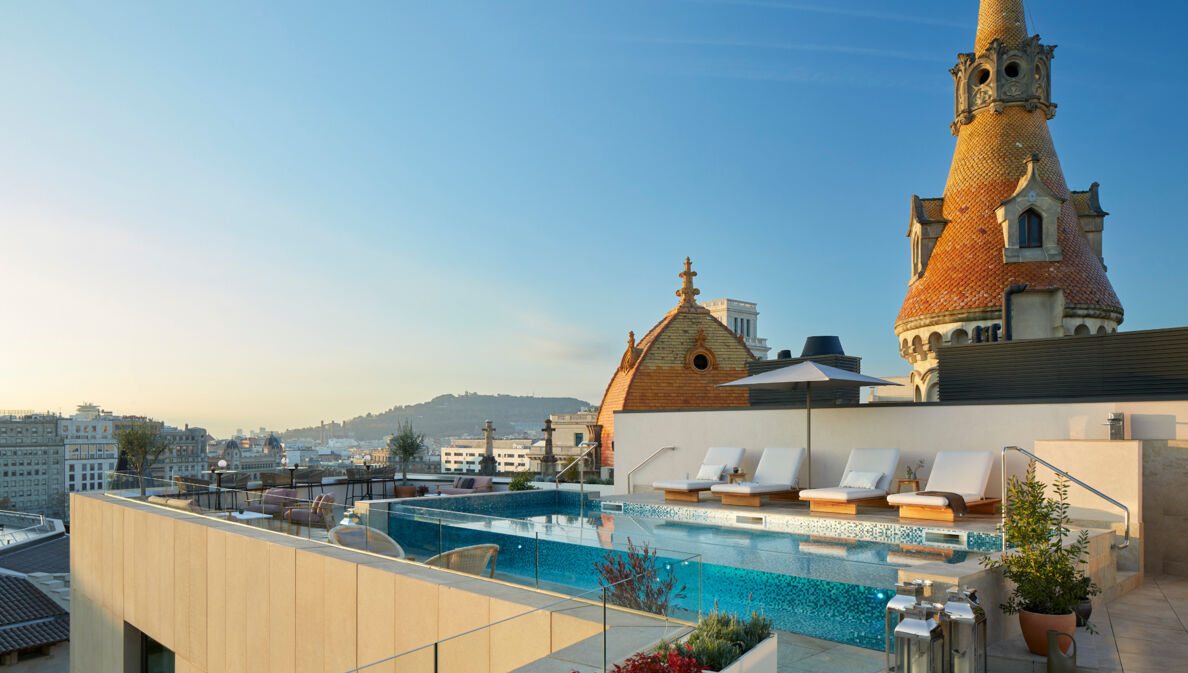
[
  {"x": 965, "y": 632},
  {"x": 920, "y": 641}
]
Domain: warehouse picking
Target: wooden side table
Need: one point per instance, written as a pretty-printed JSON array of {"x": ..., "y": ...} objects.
[
  {"x": 736, "y": 477},
  {"x": 899, "y": 484}
]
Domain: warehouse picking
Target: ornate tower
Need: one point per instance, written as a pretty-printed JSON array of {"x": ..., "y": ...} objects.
[{"x": 1007, "y": 217}]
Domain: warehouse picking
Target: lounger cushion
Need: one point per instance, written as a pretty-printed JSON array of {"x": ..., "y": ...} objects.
[
  {"x": 863, "y": 480},
  {"x": 779, "y": 465},
  {"x": 751, "y": 488},
  {"x": 729, "y": 456},
  {"x": 883, "y": 461},
  {"x": 964, "y": 472},
  {"x": 684, "y": 484},
  {"x": 842, "y": 494},
  {"x": 713, "y": 472},
  {"x": 926, "y": 500}
]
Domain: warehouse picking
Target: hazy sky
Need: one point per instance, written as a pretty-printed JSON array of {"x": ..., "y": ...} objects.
[{"x": 272, "y": 213}]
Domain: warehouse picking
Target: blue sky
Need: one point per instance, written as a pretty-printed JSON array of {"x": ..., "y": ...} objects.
[{"x": 239, "y": 214}]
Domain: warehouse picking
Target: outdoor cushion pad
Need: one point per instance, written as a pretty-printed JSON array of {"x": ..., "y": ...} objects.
[{"x": 841, "y": 493}]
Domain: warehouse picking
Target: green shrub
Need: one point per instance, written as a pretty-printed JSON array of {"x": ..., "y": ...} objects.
[
  {"x": 1045, "y": 570},
  {"x": 521, "y": 482},
  {"x": 720, "y": 639}
]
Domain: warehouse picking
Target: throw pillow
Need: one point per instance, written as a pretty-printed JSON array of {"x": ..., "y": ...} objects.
[
  {"x": 711, "y": 472},
  {"x": 863, "y": 480},
  {"x": 468, "y": 482}
]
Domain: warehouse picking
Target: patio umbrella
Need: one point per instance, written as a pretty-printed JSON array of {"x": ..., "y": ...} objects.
[{"x": 808, "y": 374}]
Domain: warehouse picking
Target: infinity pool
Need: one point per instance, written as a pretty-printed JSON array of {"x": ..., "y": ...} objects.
[{"x": 826, "y": 586}]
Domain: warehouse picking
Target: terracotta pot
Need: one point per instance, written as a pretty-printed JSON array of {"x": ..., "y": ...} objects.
[{"x": 1035, "y": 627}]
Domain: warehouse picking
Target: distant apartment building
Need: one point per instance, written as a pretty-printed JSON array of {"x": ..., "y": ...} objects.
[
  {"x": 570, "y": 431},
  {"x": 91, "y": 448},
  {"x": 742, "y": 317},
  {"x": 32, "y": 463},
  {"x": 464, "y": 455},
  {"x": 186, "y": 454}
]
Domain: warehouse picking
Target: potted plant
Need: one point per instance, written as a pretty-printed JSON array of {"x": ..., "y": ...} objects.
[
  {"x": 1045, "y": 570},
  {"x": 721, "y": 642}
]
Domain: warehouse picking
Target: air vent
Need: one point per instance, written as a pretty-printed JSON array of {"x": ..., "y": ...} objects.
[
  {"x": 944, "y": 538},
  {"x": 749, "y": 520}
]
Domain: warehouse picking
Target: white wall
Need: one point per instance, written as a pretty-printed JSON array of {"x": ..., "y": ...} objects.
[{"x": 918, "y": 431}]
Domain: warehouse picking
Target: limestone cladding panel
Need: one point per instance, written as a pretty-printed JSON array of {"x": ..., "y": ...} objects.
[
  {"x": 659, "y": 378},
  {"x": 966, "y": 270}
]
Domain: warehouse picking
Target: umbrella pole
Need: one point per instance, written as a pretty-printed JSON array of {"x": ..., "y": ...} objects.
[{"x": 808, "y": 432}]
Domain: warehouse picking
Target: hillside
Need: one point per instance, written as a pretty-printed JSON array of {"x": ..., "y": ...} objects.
[{"x": 451, "y": 416}]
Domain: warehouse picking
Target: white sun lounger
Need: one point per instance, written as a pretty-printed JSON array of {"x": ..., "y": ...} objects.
[
  {"x": 689, "y": 490},
  {"x": 774, "y": 477},
  {"x": 846, "y": 500},
  {"x": 965, "y": 473}
]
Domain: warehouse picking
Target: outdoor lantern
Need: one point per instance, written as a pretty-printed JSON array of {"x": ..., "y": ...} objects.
[
  {"x": 919, "y": 641},
  {"x": 223, "y": 463},
  {"x": 906, "y": 595},
  {"x": 965, "y": 627}
]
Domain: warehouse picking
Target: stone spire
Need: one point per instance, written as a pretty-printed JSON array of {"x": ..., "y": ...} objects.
[
  {"x": 1002, "y": 19},
  {"x": 688, "y": 293}
]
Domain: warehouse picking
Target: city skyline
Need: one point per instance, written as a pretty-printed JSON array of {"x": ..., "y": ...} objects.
[{"x": 236, "y": 216}]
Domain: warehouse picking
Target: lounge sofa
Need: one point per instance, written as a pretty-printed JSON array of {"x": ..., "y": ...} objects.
[{"x": 464, "y": 485}]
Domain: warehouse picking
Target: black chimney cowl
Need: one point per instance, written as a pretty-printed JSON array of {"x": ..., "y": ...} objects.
[{"x": 815, "y": 346}]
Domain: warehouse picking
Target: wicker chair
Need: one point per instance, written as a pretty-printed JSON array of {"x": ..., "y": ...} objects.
[
  {"x": 310, "y": 477},
  {"x": 356, "y": 484},
  {"x": 318, "y": 513},
  {"x": 365, "y": 538},
  {"x": 471, "y": 560},
  {"x": 235, "y": 482},
  {"x": 191, "y": 484},
  {"x": 270, "y": 479},
  {"x": 275, "y": 501}
]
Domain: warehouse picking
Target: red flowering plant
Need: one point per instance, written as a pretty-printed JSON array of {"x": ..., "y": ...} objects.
[
  {"x": 634, "y": 581},
  {"x": 672, "y": 661}
]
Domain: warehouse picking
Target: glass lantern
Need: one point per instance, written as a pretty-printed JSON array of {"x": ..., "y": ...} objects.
[
  {"x": 919, "y": 642},
  {"x": 906, "y": 595},
  {"x": 965, "y": 626}
]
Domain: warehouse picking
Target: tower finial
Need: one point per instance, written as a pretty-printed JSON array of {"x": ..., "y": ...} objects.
[
  {"x": 687, "y": 293},
  {"x": 1001, "y": 19}
]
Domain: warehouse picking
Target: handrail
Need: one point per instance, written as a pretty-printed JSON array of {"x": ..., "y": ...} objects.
[
  {"x": 1062, "y": 473},
  {"x": 645, "y": 461},
  {"x": 581, "y": 472}
]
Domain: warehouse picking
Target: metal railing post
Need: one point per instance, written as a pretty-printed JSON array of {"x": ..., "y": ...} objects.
[
  {"x": 537, "y": 559},
  {"x": 645, "y": 461},
  {"x": 604, "y": 630},
  {"x": 1063, "y": 474}
]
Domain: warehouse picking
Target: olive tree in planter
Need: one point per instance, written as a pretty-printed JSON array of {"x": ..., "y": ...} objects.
[{"x": 1045, "y": 571}]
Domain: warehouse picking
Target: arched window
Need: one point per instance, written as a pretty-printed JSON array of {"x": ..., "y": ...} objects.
[{"x": 1031, "y": 227}]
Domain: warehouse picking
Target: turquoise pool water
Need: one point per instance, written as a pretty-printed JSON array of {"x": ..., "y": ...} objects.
[{"x": 822, "y": 586}]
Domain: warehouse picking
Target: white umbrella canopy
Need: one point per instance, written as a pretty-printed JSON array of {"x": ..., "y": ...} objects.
[{"x": 808, "y": 374}]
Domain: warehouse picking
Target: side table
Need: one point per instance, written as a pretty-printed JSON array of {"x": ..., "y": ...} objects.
[{"x": 899, "y": 484}]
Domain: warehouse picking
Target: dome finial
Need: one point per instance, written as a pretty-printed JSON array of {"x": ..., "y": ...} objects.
[{"x": 688, "y": 293}]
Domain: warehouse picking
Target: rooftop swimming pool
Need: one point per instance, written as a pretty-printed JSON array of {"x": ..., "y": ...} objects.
[{"x": 830, "y": 582}]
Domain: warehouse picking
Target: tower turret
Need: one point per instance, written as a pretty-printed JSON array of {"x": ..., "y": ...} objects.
[{"x": 1007, "y": 216}]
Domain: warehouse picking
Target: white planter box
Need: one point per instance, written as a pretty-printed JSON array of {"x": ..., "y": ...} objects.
[{"x": 760, "y": 659}]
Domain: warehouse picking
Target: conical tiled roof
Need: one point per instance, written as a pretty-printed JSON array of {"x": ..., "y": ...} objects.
[
  {"x": 966, "y": 270},
  {"x": 1002, "y": 19}
]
